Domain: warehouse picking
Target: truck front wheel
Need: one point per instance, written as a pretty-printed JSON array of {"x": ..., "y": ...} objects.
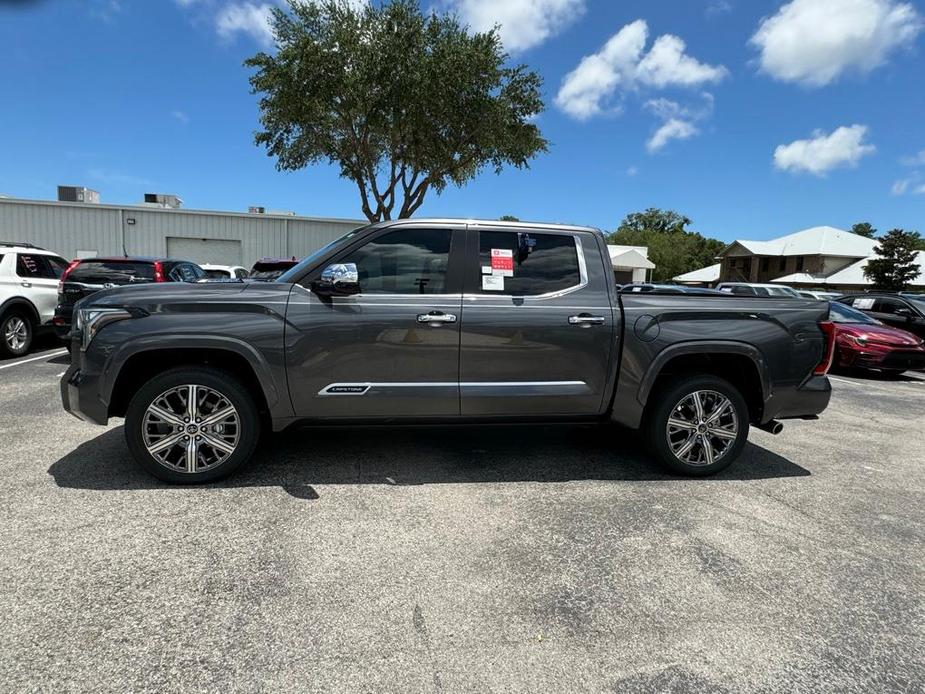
[
  {"x": 192, "y": 425},
  {"x": 698, "y": 426}
]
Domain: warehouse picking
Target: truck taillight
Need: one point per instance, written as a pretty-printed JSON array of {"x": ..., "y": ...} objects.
[
  {"x": 828, "y": 353},
  {"x": 159, "y": 272},
  {"x": 67, "y": 271}
]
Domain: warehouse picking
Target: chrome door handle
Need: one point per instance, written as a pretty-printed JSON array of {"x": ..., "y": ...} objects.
[
  {"x": 26, "y": 284},
  {"x": 586, "y": 321},
  {"x": 436, "y": 318}
]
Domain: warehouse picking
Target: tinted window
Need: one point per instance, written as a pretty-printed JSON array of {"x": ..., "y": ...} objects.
[
  {"x": 405, "y": 261},
  {"x": 184, "y": 272},
  {"x": 741, "y": 291},
  {"x": 540, "y": 263},
  {"x": 839, "y": 313},
  {"x": 38, "y": 266},
  {"x": 117, "y": 271},
  {"x": 217, "y": 274},
  {"x": 888, "y": 305},
  {"x": 271, "y": 270},
  {"x": 240, "y": 273}
]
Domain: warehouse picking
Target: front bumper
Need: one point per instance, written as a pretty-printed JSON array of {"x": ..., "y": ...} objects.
[
  {"x": 803, "y": 402},
  {"x": 80, "y": 394}
]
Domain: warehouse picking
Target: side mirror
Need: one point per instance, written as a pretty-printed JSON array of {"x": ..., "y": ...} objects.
[
  {"x": 905, "y": 313},
  {"x": 341, "y": 279}
]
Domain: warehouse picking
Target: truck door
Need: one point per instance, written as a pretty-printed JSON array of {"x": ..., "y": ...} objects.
[
  {"x": 538, "y": 325},
  {"x": 392, "y": 350}
]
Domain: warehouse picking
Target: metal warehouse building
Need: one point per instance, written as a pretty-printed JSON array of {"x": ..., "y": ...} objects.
[{"x": 80, "y": 230}]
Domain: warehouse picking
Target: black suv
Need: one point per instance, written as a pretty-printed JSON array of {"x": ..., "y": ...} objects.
[
  {"x": 90, "y": 275},
  {"x": 904, "y": 311}
]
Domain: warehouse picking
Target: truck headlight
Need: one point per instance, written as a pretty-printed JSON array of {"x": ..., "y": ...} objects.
[{"x": 91, "y": 320}]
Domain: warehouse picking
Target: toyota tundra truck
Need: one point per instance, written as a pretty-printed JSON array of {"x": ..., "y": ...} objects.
[{"x": 441, "y": 321}]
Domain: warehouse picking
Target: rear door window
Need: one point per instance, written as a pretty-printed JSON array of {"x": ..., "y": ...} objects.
[
  {"x": 526, "y": 263},
  {"x": 888, "y": 306},
  {"x": 34, "y": 266},
  {"x": 115, "y": 271}
]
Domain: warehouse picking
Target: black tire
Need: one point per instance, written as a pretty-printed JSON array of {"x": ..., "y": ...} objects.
[
  {"x": 670, "y": 397},
  {"x": 218, "y": 381},
  {"x": 20, "y": 322}
]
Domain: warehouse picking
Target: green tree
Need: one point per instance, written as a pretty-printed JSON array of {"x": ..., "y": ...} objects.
[
  {"x": 508, "y": 218},
  {"x": 672, "y": 248},
  {"x": 864, "y": 229},
  {"x": 401, "y": 102},
  {"x": 895, "y": 266}
]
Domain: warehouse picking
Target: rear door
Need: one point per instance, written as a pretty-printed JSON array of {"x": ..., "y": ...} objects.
[
  {"x": 538, "y": 325},
  {"x": 38, "y": 278},
  {"x": 393, "y": 349}
]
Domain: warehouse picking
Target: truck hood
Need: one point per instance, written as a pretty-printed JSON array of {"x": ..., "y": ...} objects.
[{"x": 147, "y": 295}]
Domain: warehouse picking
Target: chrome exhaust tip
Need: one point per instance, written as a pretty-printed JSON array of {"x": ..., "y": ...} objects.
[{"x": 772, "y": 427}]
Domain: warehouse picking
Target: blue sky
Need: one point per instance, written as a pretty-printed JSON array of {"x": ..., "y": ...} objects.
[{"x": 770, "y": 118}]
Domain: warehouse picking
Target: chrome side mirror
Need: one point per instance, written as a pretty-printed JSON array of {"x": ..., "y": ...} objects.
[{"x": 339, "y": 278}]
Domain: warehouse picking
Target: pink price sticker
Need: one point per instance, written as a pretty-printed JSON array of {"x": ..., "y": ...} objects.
[{"x": 502, "y": 260}]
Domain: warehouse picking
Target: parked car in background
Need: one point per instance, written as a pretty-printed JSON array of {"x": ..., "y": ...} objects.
[
  {"x": 442, "y": 321},
  {"x": 904, "y": 311},
  {"x": 816, "y": 294},
  {"x": 224, "y": 272},
  {"x": 649, "y": 288},
  {"x": 89, "y": 275},
  {"x": 28, "y": 294},
  {"x": 269, "y": 269},
  {"x": 754, "y": 289},
  {"x": 864, "y": 342}
]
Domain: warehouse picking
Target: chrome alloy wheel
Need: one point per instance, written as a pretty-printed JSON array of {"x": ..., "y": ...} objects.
[
  {"x": 191, "y": 428},
  {"x": 702, "y": 428},
  {"x": 16, "y": 333}
]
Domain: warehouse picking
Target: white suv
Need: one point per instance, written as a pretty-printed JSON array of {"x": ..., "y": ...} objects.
[{"x": 28, "y": 294}]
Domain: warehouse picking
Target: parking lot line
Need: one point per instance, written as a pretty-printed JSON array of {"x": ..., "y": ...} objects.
[{"x": 47, "y": 355}]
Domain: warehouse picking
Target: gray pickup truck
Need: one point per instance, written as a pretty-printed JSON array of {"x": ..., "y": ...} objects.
[{"x": 441, "y": 321}]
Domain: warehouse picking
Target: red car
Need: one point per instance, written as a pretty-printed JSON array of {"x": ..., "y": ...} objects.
[{"x": 863, "y": 342}]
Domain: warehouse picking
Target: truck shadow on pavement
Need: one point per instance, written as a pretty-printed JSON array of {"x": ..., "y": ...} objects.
[{"x": 297, "y": 459}]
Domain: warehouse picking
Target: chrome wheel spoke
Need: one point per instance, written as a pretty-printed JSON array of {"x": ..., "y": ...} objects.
[
  {"x": 686, "y": 448},
  {"x": 681, "y": 424},
  {"x": 722, "y": 433},
  {"x": 166, "y": 442},
  {"x": 217, "y": 417},
  {"x": 217, "y": 443},
  {"x": 168, "y": 417},
  {"x": 698, "y": 405},
  {"x": 707, "y": 450},
  {"x": 718, "y": 412},
  {"x": 192, "y": 454},
  {"x": 192, "y": 407}
]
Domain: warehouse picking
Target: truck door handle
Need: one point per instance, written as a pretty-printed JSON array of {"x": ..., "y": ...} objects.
[
  {"x": 586, "y": 320},
  {"x": 26, "y": 284},
  {"x": 436, "y": 318}
]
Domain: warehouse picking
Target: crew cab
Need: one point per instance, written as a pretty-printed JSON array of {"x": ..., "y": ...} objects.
[{"x": 443, "y": 321}]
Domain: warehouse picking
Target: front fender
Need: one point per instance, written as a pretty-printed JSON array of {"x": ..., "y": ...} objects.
[{"x": 119, "y": 355}]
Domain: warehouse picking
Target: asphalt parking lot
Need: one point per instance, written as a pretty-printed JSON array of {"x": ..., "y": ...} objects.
[{"x": 499, "y": 559}]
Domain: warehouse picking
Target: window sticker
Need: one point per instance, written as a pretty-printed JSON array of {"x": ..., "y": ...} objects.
[
  {"x": 486, "y": 269},
  {"x": 863, "y": 304},
  {"x": 728, "y": 290},
  {"x": 502, "y": 262},
  {"x": 493, "y": 283}
]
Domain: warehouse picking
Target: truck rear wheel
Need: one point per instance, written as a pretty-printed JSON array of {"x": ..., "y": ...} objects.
[
  {"x": 192, "y": 425},
  {"x": 698, "y": 426}
]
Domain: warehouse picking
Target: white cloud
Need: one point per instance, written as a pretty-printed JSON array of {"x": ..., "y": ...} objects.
[
  {"x": 524, "y": 23},
  {"x": 813, "y": 42},
  {"x": 246, "y": 18},
  {"x": 677, "y": 122},
  {"x": 843, "y": 147},
  {"x": 718, "y": 7},
  {"x": 911, "y": 184},
  {"x": 181, "y": 116},
  {"x": 672, "y": 129},
  {"x": 588, "y": 90},
  {"x": 917, "y": 159}
]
